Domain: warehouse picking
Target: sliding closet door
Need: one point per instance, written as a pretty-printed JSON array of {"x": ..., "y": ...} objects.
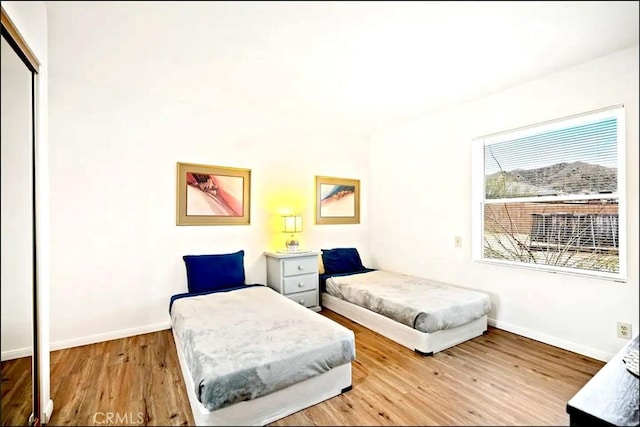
[{"x": 17, "y": 238}]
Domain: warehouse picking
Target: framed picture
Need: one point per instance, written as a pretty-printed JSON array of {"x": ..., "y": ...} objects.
[
  {"x": 337, "y": 200},
  {"x": 213, "y": 195}
]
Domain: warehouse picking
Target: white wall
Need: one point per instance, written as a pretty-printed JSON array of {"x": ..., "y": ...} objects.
[
  {"x": 30, "y": 19},
  {"x": 115, "y": 247},
  {"x": 421, "y": 172},
  {"x": 128, "y": 102}
]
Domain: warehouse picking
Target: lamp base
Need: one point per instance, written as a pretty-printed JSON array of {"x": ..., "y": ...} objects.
[{"x": 293, "y": 245}]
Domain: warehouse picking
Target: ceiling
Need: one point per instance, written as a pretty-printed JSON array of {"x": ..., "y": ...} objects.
[{"x": 361, "y": 65}]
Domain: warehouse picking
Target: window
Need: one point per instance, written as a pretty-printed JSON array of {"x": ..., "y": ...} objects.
[{"x": 552, "y": 196}]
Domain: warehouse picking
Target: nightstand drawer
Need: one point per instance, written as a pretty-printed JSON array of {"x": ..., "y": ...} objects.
[
  {"x": 295, "y": 276},
  {"x": 300, "y": 283},
  {"x": 308, "y": 299},
  {"x": 292, "y": 267}
]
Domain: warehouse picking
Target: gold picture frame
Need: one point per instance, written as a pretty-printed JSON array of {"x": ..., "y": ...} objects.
[
  {"x": 337, "y": 200},
  {"x": 213, "y": 195}
]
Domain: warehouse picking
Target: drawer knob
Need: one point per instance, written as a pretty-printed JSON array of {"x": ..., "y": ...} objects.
[
  {"x": 301, "y": 301},
  {"x": 300, "y": 284},
  {"x": 301, "y": 267}
]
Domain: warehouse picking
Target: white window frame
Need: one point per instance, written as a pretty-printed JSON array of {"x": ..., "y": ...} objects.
[{"x": 478, "y": 191}]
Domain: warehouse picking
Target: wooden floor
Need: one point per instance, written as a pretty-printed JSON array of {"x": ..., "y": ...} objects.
[
  {"x": 496, "y": 379},
  {"x": 16, "y": 392}
]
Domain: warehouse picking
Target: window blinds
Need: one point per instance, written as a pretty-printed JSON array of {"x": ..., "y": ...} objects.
[{"x": 551, "y": 194}]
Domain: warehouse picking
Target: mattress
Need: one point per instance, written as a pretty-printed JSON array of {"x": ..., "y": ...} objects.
[
  {"x": 247, "y": 343},
  {"x": 419, "y": 303}
]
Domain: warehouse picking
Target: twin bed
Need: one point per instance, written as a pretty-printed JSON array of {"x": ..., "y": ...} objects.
[
  {"x": 421, "y": 314},
  {"x": 250, "y": 356}
]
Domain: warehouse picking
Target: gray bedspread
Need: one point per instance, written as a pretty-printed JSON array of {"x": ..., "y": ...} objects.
[
  {"x": 419, "y": 303},
  {"x": 243, "y": 344}
]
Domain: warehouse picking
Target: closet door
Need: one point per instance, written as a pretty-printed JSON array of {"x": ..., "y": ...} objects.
[{"x": 17, "y": 239}]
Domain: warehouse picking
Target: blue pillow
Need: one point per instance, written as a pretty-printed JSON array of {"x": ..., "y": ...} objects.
[
  {"x": 341, "y": 260},
  {"x": 213, "y": 272}
]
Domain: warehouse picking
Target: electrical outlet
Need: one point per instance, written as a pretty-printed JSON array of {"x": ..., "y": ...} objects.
[
  {"x": 624, "y": 330},
  {"x": 457, "y": 241}
]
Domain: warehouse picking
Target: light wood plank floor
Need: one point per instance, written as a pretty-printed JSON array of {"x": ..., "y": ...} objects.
[
  {"x": 16, "y": 392},
  {"x": 496, "y": 379}
]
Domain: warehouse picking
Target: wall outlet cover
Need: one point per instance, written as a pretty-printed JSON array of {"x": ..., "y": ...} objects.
[{"x": 624, "y": 330}]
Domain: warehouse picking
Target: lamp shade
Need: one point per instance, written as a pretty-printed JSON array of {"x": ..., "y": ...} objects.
[{"x": 292, "y": 224}]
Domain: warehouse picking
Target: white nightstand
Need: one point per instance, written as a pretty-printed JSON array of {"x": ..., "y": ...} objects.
[{"x": 295, "y": 275}]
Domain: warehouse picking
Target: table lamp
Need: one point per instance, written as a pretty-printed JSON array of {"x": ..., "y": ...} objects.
[{"x": 292, "y": 225}]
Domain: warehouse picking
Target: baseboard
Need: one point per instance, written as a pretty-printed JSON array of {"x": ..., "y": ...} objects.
[
  {"x": 15, "y": 354},
  {"x": 124, "y": 333},
  {"x": 556, "y": 342},
  {"x": 48, "y": 410},
  {"x": 92, "y": 339}
]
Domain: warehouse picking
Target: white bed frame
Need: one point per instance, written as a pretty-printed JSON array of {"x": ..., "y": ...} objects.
[
  {"x": 271, "y": 407},
  {"x": 423, "y": 343}
]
